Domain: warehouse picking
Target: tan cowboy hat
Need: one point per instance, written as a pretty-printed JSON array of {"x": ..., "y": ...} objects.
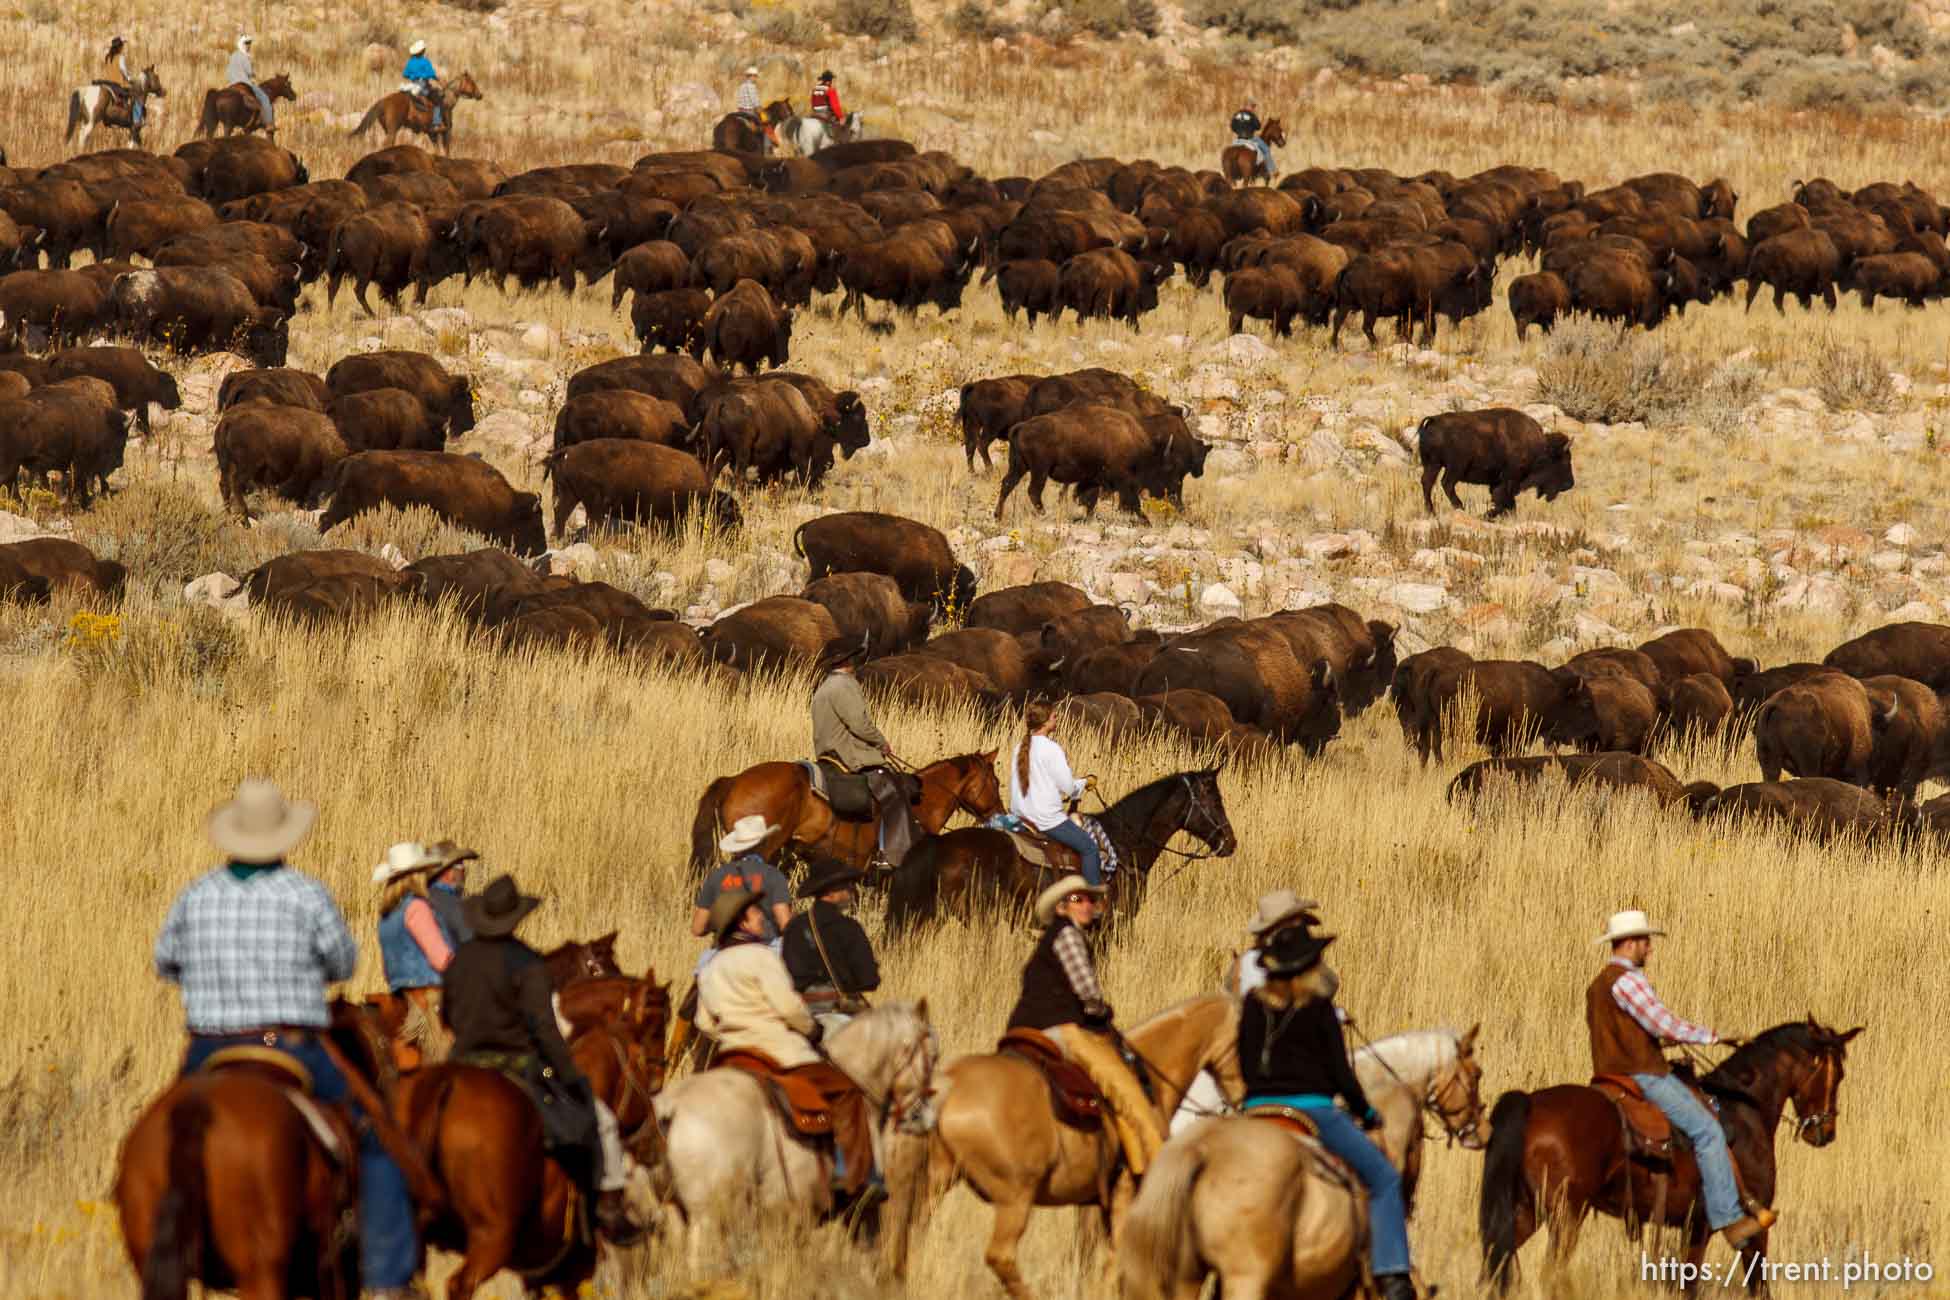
[
  {"x": 1630, "y": 924},
  {"x": 746, "y": 833},
  {"x": 727, "y": 910},
  {"x": 417, "y": 47},
  {"x": 1278, "y": 908},
  {"x": 452, "y": 854},
  {"x": 258, "y": 824},
  {"x": 498, "y": 909},
  {"x": 405, "y": 858},
  {"x": 1048, "y": 901}
]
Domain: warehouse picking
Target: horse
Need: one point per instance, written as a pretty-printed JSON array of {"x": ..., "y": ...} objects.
[
  {"x": 580, "y": 959},
  {"x": 224, "y": 1180},
  {"x": 808, "y": 135},
  {"x": 726, "y": 1150},
  {"x": 500, "y": 1202},
  {"x": 953, "y": 871},
  {"x": 1242, "y": 164},
  {"x": 104, "y": 103},
  {"x": 995, "y": 1130},
  {"x": 235, "y": 108},
  {"x": 783, "y": 796},
  {"x": 1565, "y": 1144},
  {"x": 735, "y": 132},
  {"x": 403, "y": 110}
]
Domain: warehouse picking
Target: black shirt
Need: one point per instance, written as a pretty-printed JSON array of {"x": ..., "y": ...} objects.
[
  {"x": 1299, "y": 1050},
  {"x": 854, "y": 968},
  {"x": 496, "y": 998},
  {"x": 1245, "y": 123}
]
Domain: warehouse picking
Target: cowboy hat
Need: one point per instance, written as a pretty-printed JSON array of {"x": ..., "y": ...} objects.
[
  {"x": 452, "y": 854},
  {"x": 1629, "y": 924},
  {"x": 417, "y": 47},
  {"x": 403, "y": 859},
  {"x": 745, "y": 833},
  {"x": 839, "y": 652},
  {"x": 1050, "y": 899},
  {"x": 727, "y": 910},
  {"x": 497, "y": 910},
  {"x": 1280, "y": 907},
  {"x": 258, "y": 824},
  {"x": 244, "y": 42},
  {"x": 829, "y": 876},
  {"x": 752, "y": 71},
  {"x": 1293, "y": 952}
]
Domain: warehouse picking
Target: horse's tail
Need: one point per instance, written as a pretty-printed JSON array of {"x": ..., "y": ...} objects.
[
  {"x": 206, "y": 122},
  {"x": 1155, "y": 1251},
  {"x": 366, "y": 122},
  {"x": 74, "y": 114},
  {"x": 176, "y": 1246},
  {"x": 704, "y": 826},
  {"x": 1503, "y": 1188},
  {"x": 914, "y": 891}
]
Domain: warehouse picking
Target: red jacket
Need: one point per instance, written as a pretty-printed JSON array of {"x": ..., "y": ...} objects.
[{"x": 827, "y": 96}]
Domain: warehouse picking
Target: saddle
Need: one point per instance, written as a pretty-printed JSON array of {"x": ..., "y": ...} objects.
[
  {"x": 1648, "y": 1132},
  {"x": 1073, "y": 1096},
  {"x": 332, "y": 1130},
  {"x": 118, "y": 92},
  {"x": 1286, "y": 1117},
  {"x": 817, "y": 1102},
  {"x": 1037, "y": 849},
  {"x": 845, "y": 792},
  {"x": 568, "y": 1124}
]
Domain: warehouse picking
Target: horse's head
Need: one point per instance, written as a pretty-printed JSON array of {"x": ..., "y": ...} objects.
[
  {"x": 1200, "y": 1033},
  {"x": 151, "y": 84},
  {"x": 1274, "y": 132},
  {"x": 980, "y": 794},
  {"x": 279, "y": 87},
  {"x": 1205, "y": 818},
  {"x": 465, "y": 87},
  {"x": 892, "y": 1052},
  {"x": 1816, "y": 1095},
  {"x": 1455, "y": 1095},
  {"x": 358, "y": 1034},
  {"x": 776, "y": 113}
]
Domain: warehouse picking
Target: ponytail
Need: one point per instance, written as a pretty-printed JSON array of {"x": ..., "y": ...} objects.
[{"x": 1034, "y": 719}]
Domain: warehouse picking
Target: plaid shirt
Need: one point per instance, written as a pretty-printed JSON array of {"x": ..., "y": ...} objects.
[
  {"x": 255, "y": 953},
  {"x": 748, "y": 96},
  {"x": 1633, "y": 992},
  {"x": 1074, "y": 953}
]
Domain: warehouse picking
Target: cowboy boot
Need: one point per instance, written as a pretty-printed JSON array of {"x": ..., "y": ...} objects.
[{"x": 1395, "y": 1286}]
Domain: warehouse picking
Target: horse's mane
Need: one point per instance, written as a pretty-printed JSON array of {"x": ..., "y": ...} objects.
[
  {"x": 877, "y": 1030},
  {"x": 1145, "y": 798},
  {"x": 1736, "y": 1076},
  {"x": 1416, "y": 1052}
]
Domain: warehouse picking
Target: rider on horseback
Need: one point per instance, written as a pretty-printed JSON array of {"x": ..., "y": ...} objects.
[
  {"x": 419, "y": 79},
  {"x": 1245, "y": 125},
  {"x": 844, "y": 734},
  {"x": 419, "y": 928},
  {"x": 745, "y": 871},
  {"x": 242, "y": 72},
  {"x": 1041, "y": 785},
  {"x": 827, "y": 952},
  {"x": 1293, "y": 1054},
  {"x": 253, "y": 945},
  {"x": 117, "y": 81},
  {"x": 1062, "y": 999},
  {"x": 500, "y": 1004},
  {"x": 1279, "y": 911},
  {"x": 826, "y": 100},
  {"x": 1628, "y": 1023}
]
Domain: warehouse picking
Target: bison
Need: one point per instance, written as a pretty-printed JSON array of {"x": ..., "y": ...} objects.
[
  {"x": 445, "y": 396},
  {"x": 672, "y": 319},
  {"x": 869, "y": 609},
  {"x": 387, "y": 419},
  {"x": 746, "y": 328},
  {"x": 620, "y": 413},
  {"x": 1500, "y": 447},
  {"x": 126, "y": 370},
  {"x": 286, "y": 449},
  {"x": 51, "y": 563},
  {"x": 623, "y": 479},
  {"x": 466, "y": 492},
  {"x": 913, "y": 554},
  {"x": 1918, "y": 651},
  {"x": 1826, "y": 725}
]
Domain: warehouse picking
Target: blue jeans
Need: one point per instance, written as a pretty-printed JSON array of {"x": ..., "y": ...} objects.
[
  {"x": 1264, "y": 150},
  {"x": 264, "y": 105},
  {"x": 1709, "y": 1141},
  {"x": 1387, "y": 1213},
  {"x": 389, "y": 1250},
  {"x": 1068, "y": 833},
  {"x": 136, "y": 111}
]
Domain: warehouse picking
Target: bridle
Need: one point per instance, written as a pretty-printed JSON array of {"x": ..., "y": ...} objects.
[
  {"x": 1455, "y": 1129},
  {"x": 1195, "y": 804},
  {"x": 1829, "y": 1066},
  {"x": 889, "y": 1106}
]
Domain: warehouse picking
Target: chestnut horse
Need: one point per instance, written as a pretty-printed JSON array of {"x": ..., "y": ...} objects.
[
  {"x": 781, "y": 794},
  {"x": 401, "y": 111},
  {"x": 956, "y": 870},
  {"x": 222, "y": 1180},
  {"x": 501, "y": 1202},
  {"x": 735, "y": 133},
  {"x": 235, "y": 109},
  {"x": 1565, "y": 1144},
  {"x": 1241, "y": 162}
]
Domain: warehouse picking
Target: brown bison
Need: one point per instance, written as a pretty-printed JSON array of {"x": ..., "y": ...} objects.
[
  {"x": 1500, "y": 447},
  {"x": 65, "y": 306},
  {"x": 1538, "y": 300},
  {"x": 1362, "y": 651},
  {"x": 300, "y": 569},
  {"x": 996, "y": 655},
  {"x": 1918, "y": 651},
  {"x": 1912, "y": 745},
  {"x": 989, "y": 409},
  {"x": 769, "y": 428},
  {"x": 1268, "y": 293},
  {"x": 672, "y": 319},
  {"x": 1803, "y": 263},
  {"x": 931, "y": 681},
  {"x": 74, "y": 428},
  {"x": 621, "y": 413},
  {"x": 1697, "y": 705},
  {"x": 466, "y": 492},
  {"x": 1028, "y": 285},
  {"x": 1619, "y": 771},
  {"x": 621, "y": 479},
  {"x": 1819, "y": 807},
  {"x": 1688, "y": 650},
  {"x": 199, "y": 310},
  {"x": 286, "y": 450},
  {"x": 868, "y": 609},
  {"x": 1603, "y": 713},
  {"x": 676, "y": 379},
  {"x": 1514, "y": 701},
  {"x": 1911, "y": 277},
  {"x": 136, "y": 382},
  {"x": 1094, "y": 449},
  {"x": 387, "y": 419},
  {"x": 51, "y": 563},
  {"x": 1826, "y": 725},
  {"x": 657, "y": 266},
  {"x": 278, "y": 387},
  {"x": 391, "y": 246},
  {"x": 446, "y": 396},
  {"x": 746, "y": 328},
  {"x": 1025, "y": 609},
  {"x": 1254, "y": 671},
  {"x": 484, "y": 585},
  {"x": 913, "y": 554},
  {"x": 1108, "y": 284},
  {"x": 140, "y": 226},
  {"x": 778, "y": 632},
  {"x": 532, "y": 237},
  {"x": 1409, "y": 688}
]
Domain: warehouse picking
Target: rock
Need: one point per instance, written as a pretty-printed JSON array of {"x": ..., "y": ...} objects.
[
  {"x": 1219, "y": 601},
  {"x": 1011, "y": 569},
  {"x": 1916, "y": 611},
  {"x": 1210, "y": 383},
  {"x": 449, "y": 320},
  {"x": 1127, "y": 588},
  {"x": 1888, "y": 561},
  {"x": 579, "y": 560},
  {"x": 1224, "y": 461},
  {"x": 1416, "y": 597},
  {"x": 1247, "y": 350},
  {"x": 510, "y": 430},
  {"x": 1900, "y": 535},
  {"x": 218, "y": 591},
  {"x": 1323, "y": 448},
  {"x": 1328, "y": 546},
  {"x": 19, "y": 528},
  {"x": 1814, "y": 592},
  {"x": 540, "y": 339},
  {"x": 719, "y": 573},
  {"x": 1589, "y": 630}
]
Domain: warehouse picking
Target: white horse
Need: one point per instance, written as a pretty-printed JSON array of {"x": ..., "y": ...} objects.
[
  {"x": 808, "y": 135},
  {"x": 727, "y": 1153},
  {"x": 96, "y": 105}
]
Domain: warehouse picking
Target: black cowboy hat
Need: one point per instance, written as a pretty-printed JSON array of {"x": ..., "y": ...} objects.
[
  {"x": 827, "y": 876},
  {"x": 840, "y": 652},
  {"x": 1293, "y": 951},
  {"x": 826, "y": 75},
  {"x": 498, "y": 909}
]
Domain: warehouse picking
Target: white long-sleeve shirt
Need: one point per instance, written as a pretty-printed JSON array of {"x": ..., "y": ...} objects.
[
  {"x": 241, "y": 68},
  {"x": 1050, "y": 784}
]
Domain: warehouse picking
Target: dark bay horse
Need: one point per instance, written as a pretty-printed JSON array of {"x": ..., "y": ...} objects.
[
  {"x": 223, "y": 1181},
  {"x": 736, "y": 134},
  {"x": 400, "y": 111},
  {"x": 1565, "y": 1143},
  {"x": 955, "y": 870},
  {"x": 781, "y": 794},
  {"x": 235, "y": 109},
  {"x": 1241, "y": 162}
]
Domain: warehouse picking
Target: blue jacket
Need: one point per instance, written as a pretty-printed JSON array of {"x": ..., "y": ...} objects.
[
  {"x": 405, "y": 965},
  {"x": 419, "y": 68}
]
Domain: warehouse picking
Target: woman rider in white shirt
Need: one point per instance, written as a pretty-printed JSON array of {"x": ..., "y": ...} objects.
[{"x": 1041, "y": 783}]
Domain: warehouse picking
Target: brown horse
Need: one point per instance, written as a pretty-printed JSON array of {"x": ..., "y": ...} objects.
[
  {"x": 1241, "y": 162},
  {"x": 235, "y": 109},
  {"x": 1565, "y": 1144},
  {"x": 402, "y": 111},
  {"x": 501, "y": 1202},
  {"x": 735, "y": 132},
  {"x": 956, "y": 870},
  {"x": 222, "y": 1180},
  {"x": 781, "y": 794},
  {"x": 582, "y": 959}
]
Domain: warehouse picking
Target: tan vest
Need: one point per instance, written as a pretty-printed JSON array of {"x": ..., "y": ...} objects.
[{"x": 1619, "y": 1044}]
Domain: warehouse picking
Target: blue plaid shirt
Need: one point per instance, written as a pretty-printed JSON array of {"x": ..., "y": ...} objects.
[{"x": 255, "y": 952}]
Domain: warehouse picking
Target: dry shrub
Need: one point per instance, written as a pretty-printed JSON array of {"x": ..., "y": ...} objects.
[
  {"x": 880, "y": 20},
  {"x": 166, "y": 534},
  {"x": 1277, "y": 19},
  {"x": 1850, "y": 376},
  {"x": 979, "y": 22},
  {"x": 790, "y": 28},
  {"x": 1597, "y": 372}
]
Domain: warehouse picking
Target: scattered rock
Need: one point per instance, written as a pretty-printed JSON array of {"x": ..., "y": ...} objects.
[
  {"x": 19, "y": 528},
  {"x": 1416, "y": 597},
  {"x": 218, "y": 591},
  {"x": 1900, "y": 535},
  {"x": 508, "y": 430},
  {"x": 1219, "y": 601}
]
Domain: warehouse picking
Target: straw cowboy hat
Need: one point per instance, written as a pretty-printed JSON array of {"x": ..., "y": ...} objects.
[
  {"x": 497, "y": 910},
  {"x": 727, "y": 910},
  {"x": 1630, "y": 924},
  {"x": 452, "y": 854},
  {"x": 417, "y": 47},
  {"x": 746, "y": 833},
  {"x": 258, "y": 824},
  {"x": 1293, "y": 952},
  {"x": 405, "y": 858},
  {"x": 1278, "y": 908},
  {"x": 828, "y": 877},
  {"x": 1049, "y": 899}
]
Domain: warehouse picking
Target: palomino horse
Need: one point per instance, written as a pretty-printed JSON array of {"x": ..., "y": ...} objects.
[
  {"x": 955, "y": 870},
  {"x": 1565, "y": 1144},
  {"x": 235, "y": 108},
  {"x": 808, "y": 135},
  {"x": 401, "y": 111},
  {"x": 224, "y": 1181},
  {"x": 100, "y": 104},
  {"x": 996, "y": 1131},
  {"x": 782, "y": 795},
  {"x": 501, "y": 1203},
  {"x": 1241, "y": 163},
  {"x": 735, "y": 133},
  {"x": 727, "y": 1151}
]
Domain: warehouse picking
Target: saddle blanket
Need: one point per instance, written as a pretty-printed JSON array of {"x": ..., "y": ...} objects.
[{"x": 1033, "y": 846}]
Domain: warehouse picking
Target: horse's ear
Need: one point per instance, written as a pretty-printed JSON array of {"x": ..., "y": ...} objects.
[
  {"x": 990, "y": 756},
  {"x": 1468, "y": 1041},
  {"x": 1850, "y": 1034},
  {"x": 921, "y": 1010}
]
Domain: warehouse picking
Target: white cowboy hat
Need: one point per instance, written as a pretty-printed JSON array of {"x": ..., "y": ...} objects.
[
  {"x": 417, "y": 47},
  {"x": 751, "y": 71},
  {"x": 1277, "y": 908},
  {"x": 745, "y": 833},
  {"x": 405, "y": 858},
  {"x": 244, "y": 42},
  {"x": 258, "y": 824},
  {"x": 1631, "y": 924},
  {"x": 1047, "y": 901}
]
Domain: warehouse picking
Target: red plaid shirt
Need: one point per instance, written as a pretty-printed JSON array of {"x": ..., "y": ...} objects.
[{"x": 1633, "y": 992}]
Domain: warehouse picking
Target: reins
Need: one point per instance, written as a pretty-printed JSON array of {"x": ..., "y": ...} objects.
[{"x": 1429, "y": 1100}]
